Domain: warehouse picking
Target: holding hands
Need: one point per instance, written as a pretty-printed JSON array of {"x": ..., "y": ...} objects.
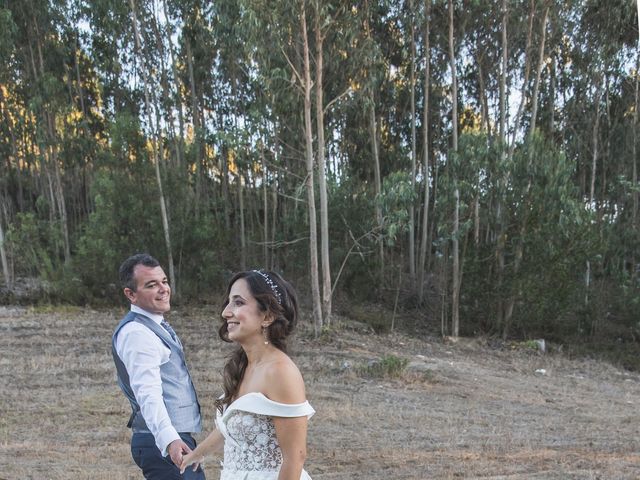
[
  {"x": 190, "y": 458},
  {"x": 176, "y": 450}
]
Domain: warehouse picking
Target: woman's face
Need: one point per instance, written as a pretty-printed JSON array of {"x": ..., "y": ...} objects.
[{"x": 242, "y": 314}]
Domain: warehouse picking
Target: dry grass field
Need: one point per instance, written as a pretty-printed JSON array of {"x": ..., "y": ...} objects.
[{"x": 460, "y": 411}]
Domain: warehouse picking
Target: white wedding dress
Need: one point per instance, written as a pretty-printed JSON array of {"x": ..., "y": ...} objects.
[{"x": 251, "y": 449}]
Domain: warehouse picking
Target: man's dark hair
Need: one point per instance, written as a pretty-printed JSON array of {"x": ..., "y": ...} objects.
[{"x": 126, "y": 269}]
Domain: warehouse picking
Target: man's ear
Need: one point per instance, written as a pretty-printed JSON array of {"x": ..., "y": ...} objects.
[{"x": 130, "y": 294}]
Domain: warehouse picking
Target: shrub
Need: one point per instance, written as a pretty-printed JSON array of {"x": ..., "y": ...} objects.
[{"x": 389, "y": 366}]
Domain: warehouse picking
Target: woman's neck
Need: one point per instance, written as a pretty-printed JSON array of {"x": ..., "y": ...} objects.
[{"x": 258, "y": 353}]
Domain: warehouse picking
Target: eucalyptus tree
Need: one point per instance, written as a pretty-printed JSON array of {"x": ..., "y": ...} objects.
[
  {"x": 154, "y": 130},
  {"x": 288, "y": 70},
  {"x": 524, "y": 218},
  {"x": 373, "y": 79},
  {"x": 321, "y": 20},
  {"x": 457, "y": 271},
  {"x": 11, "y": 168},
  {"x": 426, "y": 167},
  {"x": 56, "y": 123},
  {"x": 40, "y": 64}
]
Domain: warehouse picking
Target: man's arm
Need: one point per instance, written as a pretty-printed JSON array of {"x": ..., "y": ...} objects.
[{"x": 142, "y": 353}]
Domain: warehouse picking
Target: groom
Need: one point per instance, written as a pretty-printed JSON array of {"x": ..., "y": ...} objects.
[{"x": 153, "y": 374}]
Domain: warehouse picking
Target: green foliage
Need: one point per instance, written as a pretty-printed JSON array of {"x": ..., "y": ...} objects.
[
  {"x": 388, "y": 366},
  {"x": 227, "y": 115},
  {"x": 126, "y": 220},
  {"x": 33, "y": 244},
  {"x": 395, "y": 198},
  {"x": 7, "y": 33},
  {"x": 202, "y": 260},
  {"x": 373, "y": 315}
]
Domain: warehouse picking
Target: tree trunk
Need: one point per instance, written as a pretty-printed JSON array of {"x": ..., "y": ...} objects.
[
  {"x": 412, "y": 88},
  {"x": 503, "y": 75},
  {"x": 76, "y": 62},
  {"x": 195, "y": 115},
  {"x": 50, "y": 152},
  {"x": 552, "y": 96},
  {"x": 274, "y": 203},
  {"x": 634, "y": 168},
  {"x": 224, "y": 160},
  {"x": 179, "y": 141},
  {"x": 454, "y": 81},
  {"x": 322, "y": 176},
  {"x": 313, "y": 234},
  {"x": 156, "y": 160},
  {"x": 274, "y": 216},
  {"x": 243, "y": 234},
  {"x": 373, "y": 130},
  {"x": 482, "y": 98},
  {"x": 594, "y": 143},
  {"x": 525, "y": 82},
  {"x": 456, "y": 271},
  {"x": 166, "y": 94},
  {"x": 62, "y": 208},
  {"x": 519, "y": 250},
  {"x": 500, "y": 207},
  {"x": 425, "y": 153},
  {"x": 8, "y": 281},
  {"x": 536, "y": 86},
  {"x": 265, "y": 210},
  {"x": 455, "y": 296}
]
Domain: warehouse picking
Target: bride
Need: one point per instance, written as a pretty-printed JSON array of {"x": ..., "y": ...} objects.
[{"x": 262, "y": 417}]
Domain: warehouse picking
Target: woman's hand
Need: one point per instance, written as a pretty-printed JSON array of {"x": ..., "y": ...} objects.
[
  {"x": 191, "y": 458},
  {"x": 213, "y": 443}
]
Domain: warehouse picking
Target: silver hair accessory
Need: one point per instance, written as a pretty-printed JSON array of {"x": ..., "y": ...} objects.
[{"x": 271, "y": 283}]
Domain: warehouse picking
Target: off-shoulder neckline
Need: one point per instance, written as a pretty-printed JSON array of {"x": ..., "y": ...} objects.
[
  {"x": 258, "y": 403},
  {"x": 264, "y": 397}
]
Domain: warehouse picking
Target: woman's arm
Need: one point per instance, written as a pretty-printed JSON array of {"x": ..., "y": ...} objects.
[
  {"x": 292, "y": 437},
  {"x": 212, "y": 444},
  {"x": 285, "y": 385}
]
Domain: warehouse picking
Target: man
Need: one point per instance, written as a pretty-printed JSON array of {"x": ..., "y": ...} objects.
[{"x": 153, "y": 374}]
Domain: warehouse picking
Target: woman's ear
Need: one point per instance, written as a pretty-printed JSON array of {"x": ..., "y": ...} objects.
[{"x": 268, "y": 320}]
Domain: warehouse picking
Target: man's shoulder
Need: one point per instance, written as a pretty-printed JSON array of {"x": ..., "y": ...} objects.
[
  {"x": 134, "y": 326},
  {"x": 133, "y": 322}
]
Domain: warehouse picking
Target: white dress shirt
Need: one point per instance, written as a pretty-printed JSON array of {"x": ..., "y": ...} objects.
[{"x": 142, "y": 353}]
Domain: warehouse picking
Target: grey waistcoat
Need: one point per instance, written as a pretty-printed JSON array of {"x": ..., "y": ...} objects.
[{"x": 178, "y": 392}]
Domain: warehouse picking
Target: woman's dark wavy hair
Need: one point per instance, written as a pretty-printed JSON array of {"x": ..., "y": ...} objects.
[{"x": 284, "y": 313}]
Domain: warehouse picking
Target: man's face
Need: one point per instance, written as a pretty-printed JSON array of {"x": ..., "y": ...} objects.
[{"x": 153, "y": 292}]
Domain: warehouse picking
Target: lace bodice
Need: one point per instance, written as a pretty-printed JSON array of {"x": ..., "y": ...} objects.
[
  {"x": 252, "y": 443},
  {"x": 251, "y": 449}
]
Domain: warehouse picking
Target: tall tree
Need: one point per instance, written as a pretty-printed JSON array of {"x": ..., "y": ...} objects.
[
  {"x": 456, "y": 273},
  {"x": 308, "y": 135},
  {"x": 425, "y": 151},
  {"x": 412, "y": 88},
  {"x": 154, "y": 146},
  {"x": 322, "y": 174},
  {"x": 6, "y": 272}
]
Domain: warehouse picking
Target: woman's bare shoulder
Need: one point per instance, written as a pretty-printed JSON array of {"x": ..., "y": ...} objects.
[{"x": 284, "y": 382}]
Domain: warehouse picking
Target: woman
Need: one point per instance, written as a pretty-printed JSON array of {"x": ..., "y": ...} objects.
[{"x": 262, "y": 417}]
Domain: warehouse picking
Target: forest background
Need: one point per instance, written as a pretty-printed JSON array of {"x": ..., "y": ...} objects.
[{"x": 469, "y": 167}]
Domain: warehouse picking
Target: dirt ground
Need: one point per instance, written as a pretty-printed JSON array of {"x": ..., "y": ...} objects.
[{"x": 465, "y": 410}]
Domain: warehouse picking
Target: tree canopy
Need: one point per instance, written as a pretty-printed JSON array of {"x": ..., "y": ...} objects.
[{"x": 469, "y": 161}]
